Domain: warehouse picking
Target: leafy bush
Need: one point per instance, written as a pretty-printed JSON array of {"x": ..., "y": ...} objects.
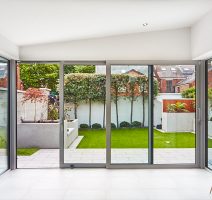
[
  {"x": 3, "y": 142},
  {"x": 136, "y": 124},
  {"x": 189, "y": 93},
  {"x": 177, "y": 107},
  {"x": 210, "y": 119},
  {"x": 96, "y": 126},
  {"x": 125, "y": 124},
  {"x": 79, "y": 69},
  {"x": 53, "y": 113},
  {"x": 113, "y": 125},
  {"x": 84, "y": 126}
]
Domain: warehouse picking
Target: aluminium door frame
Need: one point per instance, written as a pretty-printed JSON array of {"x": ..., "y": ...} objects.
[
  {"x": 198, "y": 118},
  {"x": 199, "y": 112},
  {"x": 61, "y": 97}
]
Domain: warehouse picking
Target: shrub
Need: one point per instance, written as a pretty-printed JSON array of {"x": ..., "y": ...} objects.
[
  {"x": 124, "y": 124},
  {"x": 189, "y": 93},
  {"x": 113, "y": 125},
  {"x": 53, "y": 113},
  {"x": 84, "y": 126},
  {"x": 177, "y": 107},
  {"x": 96, "y": 126},
  {"x": 136, "y": 124}
]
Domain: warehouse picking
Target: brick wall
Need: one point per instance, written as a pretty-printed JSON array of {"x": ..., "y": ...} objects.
[{"x": 189, "y": 104}]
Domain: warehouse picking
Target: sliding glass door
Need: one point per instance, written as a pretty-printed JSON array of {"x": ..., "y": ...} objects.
[
  {"x": 4, "y": 141},
  {"x": 174, "y": 114},
  {"x": 129, "y": 140},
  {"x": 128, "y": 114},
  {"x": 84, "y": 114}
]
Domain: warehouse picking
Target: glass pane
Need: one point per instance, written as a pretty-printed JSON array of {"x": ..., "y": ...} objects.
[
  {"x": 3, "y": 115},
  {"x": 210, "y": 114},
  {"x": 174, "y": 114},
  {"x": 37, "y": 115},
  {"x": 84, "y": 114},
  {"x": 129, "y": 114}
]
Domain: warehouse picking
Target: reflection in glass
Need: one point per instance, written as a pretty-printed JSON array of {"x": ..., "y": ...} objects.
[
  {"x": 3, "y": 115},
  {"x": 210, "y": 114}
]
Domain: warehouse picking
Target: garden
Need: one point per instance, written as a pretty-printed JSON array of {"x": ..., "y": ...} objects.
[{"x": 85, "y": 100}]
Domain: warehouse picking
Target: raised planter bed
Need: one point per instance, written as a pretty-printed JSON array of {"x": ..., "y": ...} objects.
[
  {"x": 210, "y": 129},
  {"x": 45, "y": 135},
  {"x": 178, "y": 122}
]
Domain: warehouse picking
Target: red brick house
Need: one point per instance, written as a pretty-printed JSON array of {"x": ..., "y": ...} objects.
[
  {"x": 169, "y": 76},
  {"x": 185, "y": 84}
]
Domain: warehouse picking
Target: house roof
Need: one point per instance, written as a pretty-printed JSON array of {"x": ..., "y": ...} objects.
[
  {"x": 173, "y": 71},
  {"x": 189, "y": 79},
  {"x": 134, "y": 73}
]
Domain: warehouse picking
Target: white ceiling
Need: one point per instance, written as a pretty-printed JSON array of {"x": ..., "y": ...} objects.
[{"x": 27, "y": 22}]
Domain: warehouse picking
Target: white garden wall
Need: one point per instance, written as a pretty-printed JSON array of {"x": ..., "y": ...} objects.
[
  {"x": 3, "y": 107},
  {"x": 123, "y": 110},
  {"x": 26, "y": 110},
  {"x": 210, "y": 129}
]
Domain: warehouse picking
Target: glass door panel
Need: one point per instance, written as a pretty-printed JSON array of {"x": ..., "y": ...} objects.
[
  {"x": 174, "y": 114},
  {"x": 4, "y": 65},
  {"x": 84, "y": 114},
  {"x": 129, "y": 114}
]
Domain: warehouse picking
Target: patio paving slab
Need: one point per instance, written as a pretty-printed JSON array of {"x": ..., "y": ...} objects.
[{"x": 49, "y": 158}]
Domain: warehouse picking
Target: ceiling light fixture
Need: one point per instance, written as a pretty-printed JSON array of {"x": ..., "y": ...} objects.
[{"x": 145, "y": 24}]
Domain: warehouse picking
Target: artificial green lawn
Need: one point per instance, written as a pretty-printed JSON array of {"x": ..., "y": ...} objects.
[
  {"x": 26, "y": 151},
  {"x": 136, "y": 138},
  {"x": 20, "y": 152}
]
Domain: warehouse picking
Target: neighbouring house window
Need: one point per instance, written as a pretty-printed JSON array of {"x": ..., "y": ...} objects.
[{"x": 169, "y": 86}]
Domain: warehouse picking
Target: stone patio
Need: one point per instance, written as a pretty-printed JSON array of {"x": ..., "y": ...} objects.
[
  {"x": 49, "y": 158},
  {"x": 3, "y": 160}
]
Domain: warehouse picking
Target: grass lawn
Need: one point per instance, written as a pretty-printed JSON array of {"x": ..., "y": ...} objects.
[
  {"x": 3, "y": 143},
  {"x": 136, "y": 138},
  {"x": 20, "y": 152},
  {"x": 26, "y": 151}
]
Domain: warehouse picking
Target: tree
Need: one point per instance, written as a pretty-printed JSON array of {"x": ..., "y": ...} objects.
[
  {"x": 189, "y": 93},
  {"x": 143, "y": 84},
  {"x": 84, "y": 88},
  {"x": 132, "y": 93},
  {"x": 155, "y": 88},
  {"x": 91, "y": 88},
  {"x": 118, "y": 83},
  {"x": 79, "y": 69},
  {"x": 34, "y": 95},
  {"x": 39, "y": 75},
  {"x": 74, "y": 90},
  {"x": 101, "y": 93}
]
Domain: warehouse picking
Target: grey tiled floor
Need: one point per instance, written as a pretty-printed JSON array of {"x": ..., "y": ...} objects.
[
  {"x": 103, "y": 184},
  {"x": 50, "y": 157}
]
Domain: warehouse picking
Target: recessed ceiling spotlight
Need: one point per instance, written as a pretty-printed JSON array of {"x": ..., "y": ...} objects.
[{"x": 145, "y": 24}]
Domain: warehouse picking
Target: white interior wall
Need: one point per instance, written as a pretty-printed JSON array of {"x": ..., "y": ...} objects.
[
  {"x": 8, "y": 49},
  {"x": 159, "y": 45},
  {"x": 201, "y": 38}
]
